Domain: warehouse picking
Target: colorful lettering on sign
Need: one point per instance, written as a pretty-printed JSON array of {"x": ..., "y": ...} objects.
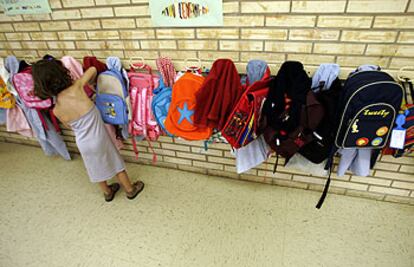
[{"x": 382, "y": 113}]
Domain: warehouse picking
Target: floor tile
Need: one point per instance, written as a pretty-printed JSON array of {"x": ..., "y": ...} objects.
[{"x": 51, "y": 215}]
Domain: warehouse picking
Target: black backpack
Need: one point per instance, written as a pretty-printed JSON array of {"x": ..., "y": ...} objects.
[
  {"x": 368, "y": 106},
  {"x": 320, "y": 148},
  {"x": 291, "y": 111}
]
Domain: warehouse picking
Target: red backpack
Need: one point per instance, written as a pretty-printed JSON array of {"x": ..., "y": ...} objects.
[{"x": 243, "y": 124}]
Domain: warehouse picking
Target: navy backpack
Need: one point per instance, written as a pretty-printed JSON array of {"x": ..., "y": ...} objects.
[{"x": 368, "y": 106}]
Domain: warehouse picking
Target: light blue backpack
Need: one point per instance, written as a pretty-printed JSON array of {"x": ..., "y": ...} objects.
[
  {"x": 160, "y": 104},
  {"x": 112, "y": 94}
]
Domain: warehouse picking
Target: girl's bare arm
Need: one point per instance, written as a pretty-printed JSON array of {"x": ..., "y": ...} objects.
[{"x": 89, "y": 76}]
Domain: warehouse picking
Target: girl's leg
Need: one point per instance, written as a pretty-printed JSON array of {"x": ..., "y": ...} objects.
[
  {"x": 105, "y": 188},
  {"x": 123, "y": 179},
  {"x": 132, "y": 190},
  {"x": 109, "y": 190}
]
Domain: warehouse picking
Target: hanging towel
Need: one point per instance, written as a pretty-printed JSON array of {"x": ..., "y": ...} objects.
[
  {"x": 300, "y": 163},
  {"x": 355, "y": 160},
  {"x": 16, "y": 122},
  {"x": 3, "y": 116},
  {"x": 217, "y": 96},
  {"x": 252, "y": 155}
]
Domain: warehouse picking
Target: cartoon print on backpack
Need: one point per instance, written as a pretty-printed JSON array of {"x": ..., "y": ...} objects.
[
  {"x": 366, "y": 121},
  {"x": 112, "y": 94}
]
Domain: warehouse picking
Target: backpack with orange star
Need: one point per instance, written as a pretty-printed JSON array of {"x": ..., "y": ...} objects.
[{"x": 180, "y": 118}]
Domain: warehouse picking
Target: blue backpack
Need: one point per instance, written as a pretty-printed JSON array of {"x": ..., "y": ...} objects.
[
  {"x": 112, "y": 94},
  {"x": 161, "y": 103}
]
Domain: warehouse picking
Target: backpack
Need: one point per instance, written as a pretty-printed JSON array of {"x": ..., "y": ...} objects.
[
  {"x": 291, "y": 111},
  {"x": 242, "y": 126},
  {"x": 368, "y": 106},
  {"x": 327, "y": 88},
  {"x": 180, "y": 118},
  {"x": 112, "y": 94},
  {"x": 143, "y": 124},
  {"x": 160, "y": 104},
  {"x": 24, "y": 85},
  {"x": 407, "y": 121}
]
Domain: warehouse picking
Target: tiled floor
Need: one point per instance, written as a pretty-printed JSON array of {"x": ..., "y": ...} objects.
[{"x": 52, "y": 216}]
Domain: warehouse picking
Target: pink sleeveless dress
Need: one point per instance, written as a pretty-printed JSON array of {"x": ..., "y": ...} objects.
[{"x": 100, "y": 156}]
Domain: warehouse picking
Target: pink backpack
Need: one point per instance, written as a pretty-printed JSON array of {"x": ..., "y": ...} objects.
[
  {"x": 24, "y": 85},
  {"x": 141, "y": 86}
]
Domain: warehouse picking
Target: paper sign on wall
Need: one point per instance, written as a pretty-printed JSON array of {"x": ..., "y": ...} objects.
[
  {"x": 190, "y": 13},
  {"x": 17, "y": 7}
]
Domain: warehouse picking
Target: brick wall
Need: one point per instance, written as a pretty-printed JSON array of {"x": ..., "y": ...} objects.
[{"x": 351, "y": 33}]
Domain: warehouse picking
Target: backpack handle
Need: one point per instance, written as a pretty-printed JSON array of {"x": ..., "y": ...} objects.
[
  {"x": 403, "y": 78},
  {"x": 136, "y": 59},
  {"x": 193, "y": 68},
  {"x": 140, "y": 65}
]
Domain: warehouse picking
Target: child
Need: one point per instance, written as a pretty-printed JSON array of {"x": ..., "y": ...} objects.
[{"x": 73, "y": 107}]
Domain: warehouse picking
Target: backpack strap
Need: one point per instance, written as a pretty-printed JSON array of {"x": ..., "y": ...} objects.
[
  {"x": 409, "y": 89},
  {"x": 154, "y": 155},
  {"x": 167, "y": 70},
  {"x": 134, "y": 145},
  {"x": 276, "y": 162},
  {"x": 54, "y": 120},
  {"x": 328, "y": 167},
  {"x": 42, "y": 119},
  {"x": 374, "y": 157},
  {"x": 325, "y": 190}
]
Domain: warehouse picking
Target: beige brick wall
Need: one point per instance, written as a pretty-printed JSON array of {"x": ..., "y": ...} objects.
[{"x": 349, "y": 32}]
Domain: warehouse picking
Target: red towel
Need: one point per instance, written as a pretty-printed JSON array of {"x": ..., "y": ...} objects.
[
  {"x": 218, "y": 95},
  {"x": 93, "y": 61}
]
